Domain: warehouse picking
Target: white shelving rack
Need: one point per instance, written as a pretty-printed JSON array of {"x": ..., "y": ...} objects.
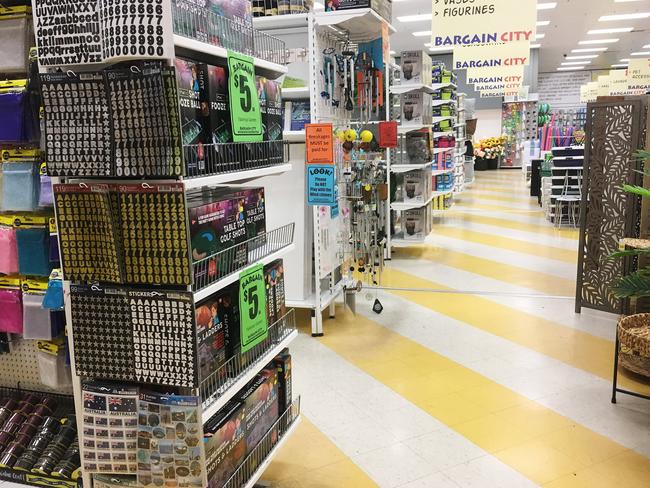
[
  {"x": 315, "y": 278},
  {"x": 271, "y": 248},
  {"x": 461, "y": 137}
]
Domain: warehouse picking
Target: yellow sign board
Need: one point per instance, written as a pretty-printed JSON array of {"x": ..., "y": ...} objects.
[
  {"x": 604, "y": 86},
  {"x": 638, "y": 75},
  {"x": 515, "y": 54}
]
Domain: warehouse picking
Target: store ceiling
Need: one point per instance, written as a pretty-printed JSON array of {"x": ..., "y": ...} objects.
[{"x": 569, "y": 22}]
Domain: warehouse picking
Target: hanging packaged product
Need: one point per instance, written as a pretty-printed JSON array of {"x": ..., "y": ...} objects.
[
  {"x": 8, "y": 247},
  {"x": 52, "y": 367},
  {"x": 33, "y": 243},
  {"x": 11, "y": 319},
  {"x": 16, "y": 37},
  {"x": 20, "y": 179},
  {"x": 19, "y": 113},
  {"x": 37, "y": 320}
]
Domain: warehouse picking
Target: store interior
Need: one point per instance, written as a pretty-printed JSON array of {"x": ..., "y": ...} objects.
[{"x": 324, "y": 244}]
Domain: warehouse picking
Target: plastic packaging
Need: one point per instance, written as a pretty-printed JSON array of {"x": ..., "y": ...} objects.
[
  {"x": 8, "y": 251},
  {"x": 37, "y": 323},
  {"x": 11, "y": 318},
  {"x": 33, "y": 251}
]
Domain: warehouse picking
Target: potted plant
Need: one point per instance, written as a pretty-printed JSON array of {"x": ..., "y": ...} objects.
[{"x": 633, "y": 331}]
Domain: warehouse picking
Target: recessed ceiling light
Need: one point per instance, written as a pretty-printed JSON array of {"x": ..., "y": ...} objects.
[
  {"x": 535, "y": 46},
  {"x": 570, "y": 63},
  {"x": 613, "y": 18},
  {"x": 589, "y": 50},
  {"x": 542, "y": 23},
  {"x": 422, "y": 33},
  {"x": 598, "y": 41},
  {"x": 619, "y": 65},
  {"x": 546, "y": 6},
  {"x": 589, "y": 56},
  {"x": 611, "y": 31},
  {"x": 570, "y": 68},
  {"x": 414, "y": 18},
  {"x": 540, "y": 36},
  {"x": 641, "y": 53}
]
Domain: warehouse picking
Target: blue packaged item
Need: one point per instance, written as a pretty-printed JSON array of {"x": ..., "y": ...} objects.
[
  {"x": 20, "y": 185},
  {"x": 33, "y": 251}
]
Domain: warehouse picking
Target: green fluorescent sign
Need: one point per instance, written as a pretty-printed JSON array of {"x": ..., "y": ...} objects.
[
  {"x": 245, "y": 113},
  {"x": 252, "y": 307}
]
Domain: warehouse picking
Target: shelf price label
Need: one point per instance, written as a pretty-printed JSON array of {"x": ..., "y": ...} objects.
[
  {"x": 245, "y": 114},
  {"x": 252, "y": 307}
]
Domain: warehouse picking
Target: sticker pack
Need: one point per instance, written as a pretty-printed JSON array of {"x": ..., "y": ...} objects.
[
  {"x": 71, "y": 32},
  {"x": 119, "y": 122},
  {"x": 170, "y": 441},
  {"x": 124, "y": 334},
  {"x": 124, "y": 233},
  {"x": 110, "y": 428}
]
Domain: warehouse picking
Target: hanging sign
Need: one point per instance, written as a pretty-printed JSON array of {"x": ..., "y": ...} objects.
[
  {"x": 388, "y": 134},
  {"x": 497, "y": 56},
  {"x": 592, "y": 91},
  {"x": 252, "y": 307},
  {"x": 319, "y": 143},
  {"x": 482, "y": 22},
  {"x": 638, "y": 75},
  {"x": 584, "y": 94},
  {"x": 618, "y": 82},
  {"x": 499, "y": 74},
  {"x": 245, "y": 114},
  {"x": 604, "y": 88},
  {"x": 321, "y": 184}
]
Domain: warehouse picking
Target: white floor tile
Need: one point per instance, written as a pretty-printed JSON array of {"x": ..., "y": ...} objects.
[
  {"x": 437, "y": 480},
  {"x": 393, "y": 466},
  {"x": 444, "y": 449},
  {"x": 485, "y": 472}
]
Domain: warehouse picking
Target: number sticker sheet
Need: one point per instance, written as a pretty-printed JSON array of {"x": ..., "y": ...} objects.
[
  {"x": 110, "y": 428},
  {"x": 124, "y": 334},
  {"x": 170, "y": 441},
  {"x": 118, "y": 122},
  {"x": 71, "y": 32}
]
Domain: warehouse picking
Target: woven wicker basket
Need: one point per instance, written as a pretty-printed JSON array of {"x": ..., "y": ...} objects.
[{"x": 634, "y": 338}]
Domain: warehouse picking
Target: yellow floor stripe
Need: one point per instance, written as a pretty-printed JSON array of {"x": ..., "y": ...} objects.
[
  {"x": 539, "y": 443},
  {"x": 576, "y": 348},
  {"x": 310, "y": 460},
  {"x": 540, "y": 282},
  {"x": 501, "y": 190},
  {"x": 496, "y": 241},
  {"x": 504, "y": 197},
  {"x": 496, "y": 208},
  {"x": 516, "y": 203},
  {"x": 545, "y": 228}
]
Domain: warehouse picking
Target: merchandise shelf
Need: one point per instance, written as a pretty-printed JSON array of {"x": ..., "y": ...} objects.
[
  {"x": 398, "y": 240},
  {"x": 253, "y": 467},
  {"x": 442, "y": 193},
  {"x": 294, "y": 135},
  {"x": 277, "y": 22},
  {"x": 327, "y": 297},
  {"x": 245, "y": 175},
  {"x": 410, "y": 87},
  {"x": 295, "y": 93},
  {"x": 220, "y": 269},
  {"x": 443, "y": 134},
  {"x": 436, "y": 172},
  {"x": 404, "y": 168},
  {"x": 400, "y": 206},
  {"x": 440, "y": 86},
  {"x": 187, "y": 47},
  {"x": 439, "y": 150},
  {"x": 567, "y": 168},
  {"x": 221, "y": 385},
  {"x": 435, "y": 120},
  {"x": 361, "y": 23},
  {"x": 404, "y": 128},
  {"x": 437, "y": 103}
]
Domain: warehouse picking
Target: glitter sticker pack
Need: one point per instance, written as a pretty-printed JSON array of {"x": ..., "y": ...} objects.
[
  {"x": 119, "y": 122},
  {"x": 124, "y": 334}
]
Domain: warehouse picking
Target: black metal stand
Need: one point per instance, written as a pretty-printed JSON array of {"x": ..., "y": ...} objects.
[{"x": 615, "y": 388}]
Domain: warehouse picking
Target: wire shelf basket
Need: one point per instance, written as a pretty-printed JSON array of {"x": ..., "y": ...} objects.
[
  {"x": 215, "y": 159},
  {"x": 235, "y": 33},
  {"x": 223, "y": 263},
  {"x": 218, "y": 382},
  {"x": 261, "y": 452}
]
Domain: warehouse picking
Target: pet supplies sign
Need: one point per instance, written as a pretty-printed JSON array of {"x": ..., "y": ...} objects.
[{"x": 244, "y": 104}]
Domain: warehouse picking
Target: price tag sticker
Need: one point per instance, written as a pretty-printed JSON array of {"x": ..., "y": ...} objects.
[
  {"x": 245, "y": 114},
  {"x": 252, "y": 307}
]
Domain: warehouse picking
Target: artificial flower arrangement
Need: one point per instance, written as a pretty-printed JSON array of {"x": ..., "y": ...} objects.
[{"x": 490, "y": 148}]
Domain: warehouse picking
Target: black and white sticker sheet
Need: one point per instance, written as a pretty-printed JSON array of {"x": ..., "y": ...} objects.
[
  {"x": 124, "y": 334},
  {"x": 74, "y": 32},
  {"x": 110, "y": 428}
]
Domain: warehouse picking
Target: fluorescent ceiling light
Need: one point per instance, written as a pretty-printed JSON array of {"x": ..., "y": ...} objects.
[
  {"x": 641, "y": 53},
  {"x": 414, "y": 18},
  {"x": 440, "y": 50},
  {"x": 570, "y": 68},
  {"x": 535, "y": 46},
  {"x": 422, "y": 33},
  {"x": 611, "y": 31},
  {"x": 319, "y": 6},
  {"x": 598, "y": 41},
  {"x": 570, "y": 63},
  {"x": 540, "y": 36},
  {"x": 624, "y": 60},
  {"x": 542, "y": 23},
  {"x": 589, "y": 50},
  {"x": 647, "y": 46},
  {"x": 546, "y": 6},
  {"x": 589, "y": 56},
  {"x": 619, "y": 65},
  {"x": 613, "y": 18}
]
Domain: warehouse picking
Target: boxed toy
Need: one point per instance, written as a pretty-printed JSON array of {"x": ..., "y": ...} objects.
[
  {"x": 274, "y": 116},
  {"x": 414, "y": 187},
  {"x": 416, "y": 67},
  {"x": 275, "y": 297},
  {"x": 219, "y": 105},
  {"x": 225, "y": 443},
  {"x": 382, "y": 7},
  {"x": 416, "y": 109},
  {"x": 414, "y": 223},
  {"x": 260, "y": 399},
  {"x": 282, "y": 363},
  {"x": 189, "y": 94}
]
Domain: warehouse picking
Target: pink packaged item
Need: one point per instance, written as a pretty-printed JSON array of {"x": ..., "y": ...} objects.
[
  {"x": 11, "y": 318},
  {"x": 8, "y": 251}
]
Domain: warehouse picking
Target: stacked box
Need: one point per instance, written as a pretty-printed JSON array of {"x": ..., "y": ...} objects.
[
  {"x": 275, "y": 295},
  {"x": 282, "y": 363},
  {"x": 260, "y": 399},
  {"x": 416, "y": 109},
  {"x": 220, "y": 130},
  {"x": 189, "y": 94},
  {"x": 416, "y": 67},
  {"x": 225, "y": 443},
  {"x": 416, "y": 223},
  {"x": 417, "y": 185}
]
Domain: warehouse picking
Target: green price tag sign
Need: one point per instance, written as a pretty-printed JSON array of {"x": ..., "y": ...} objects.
[
  {"x": 245, "y": 114},
  {"x": 252, "y": 307}
]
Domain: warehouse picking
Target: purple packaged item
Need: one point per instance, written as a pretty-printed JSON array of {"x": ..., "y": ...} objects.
[
  {"x": 46, "y": 196},
  {"x": 11, "y": 319}
]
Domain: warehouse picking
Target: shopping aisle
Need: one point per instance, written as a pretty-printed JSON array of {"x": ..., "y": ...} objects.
[{"x": 492, "y": 381}]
